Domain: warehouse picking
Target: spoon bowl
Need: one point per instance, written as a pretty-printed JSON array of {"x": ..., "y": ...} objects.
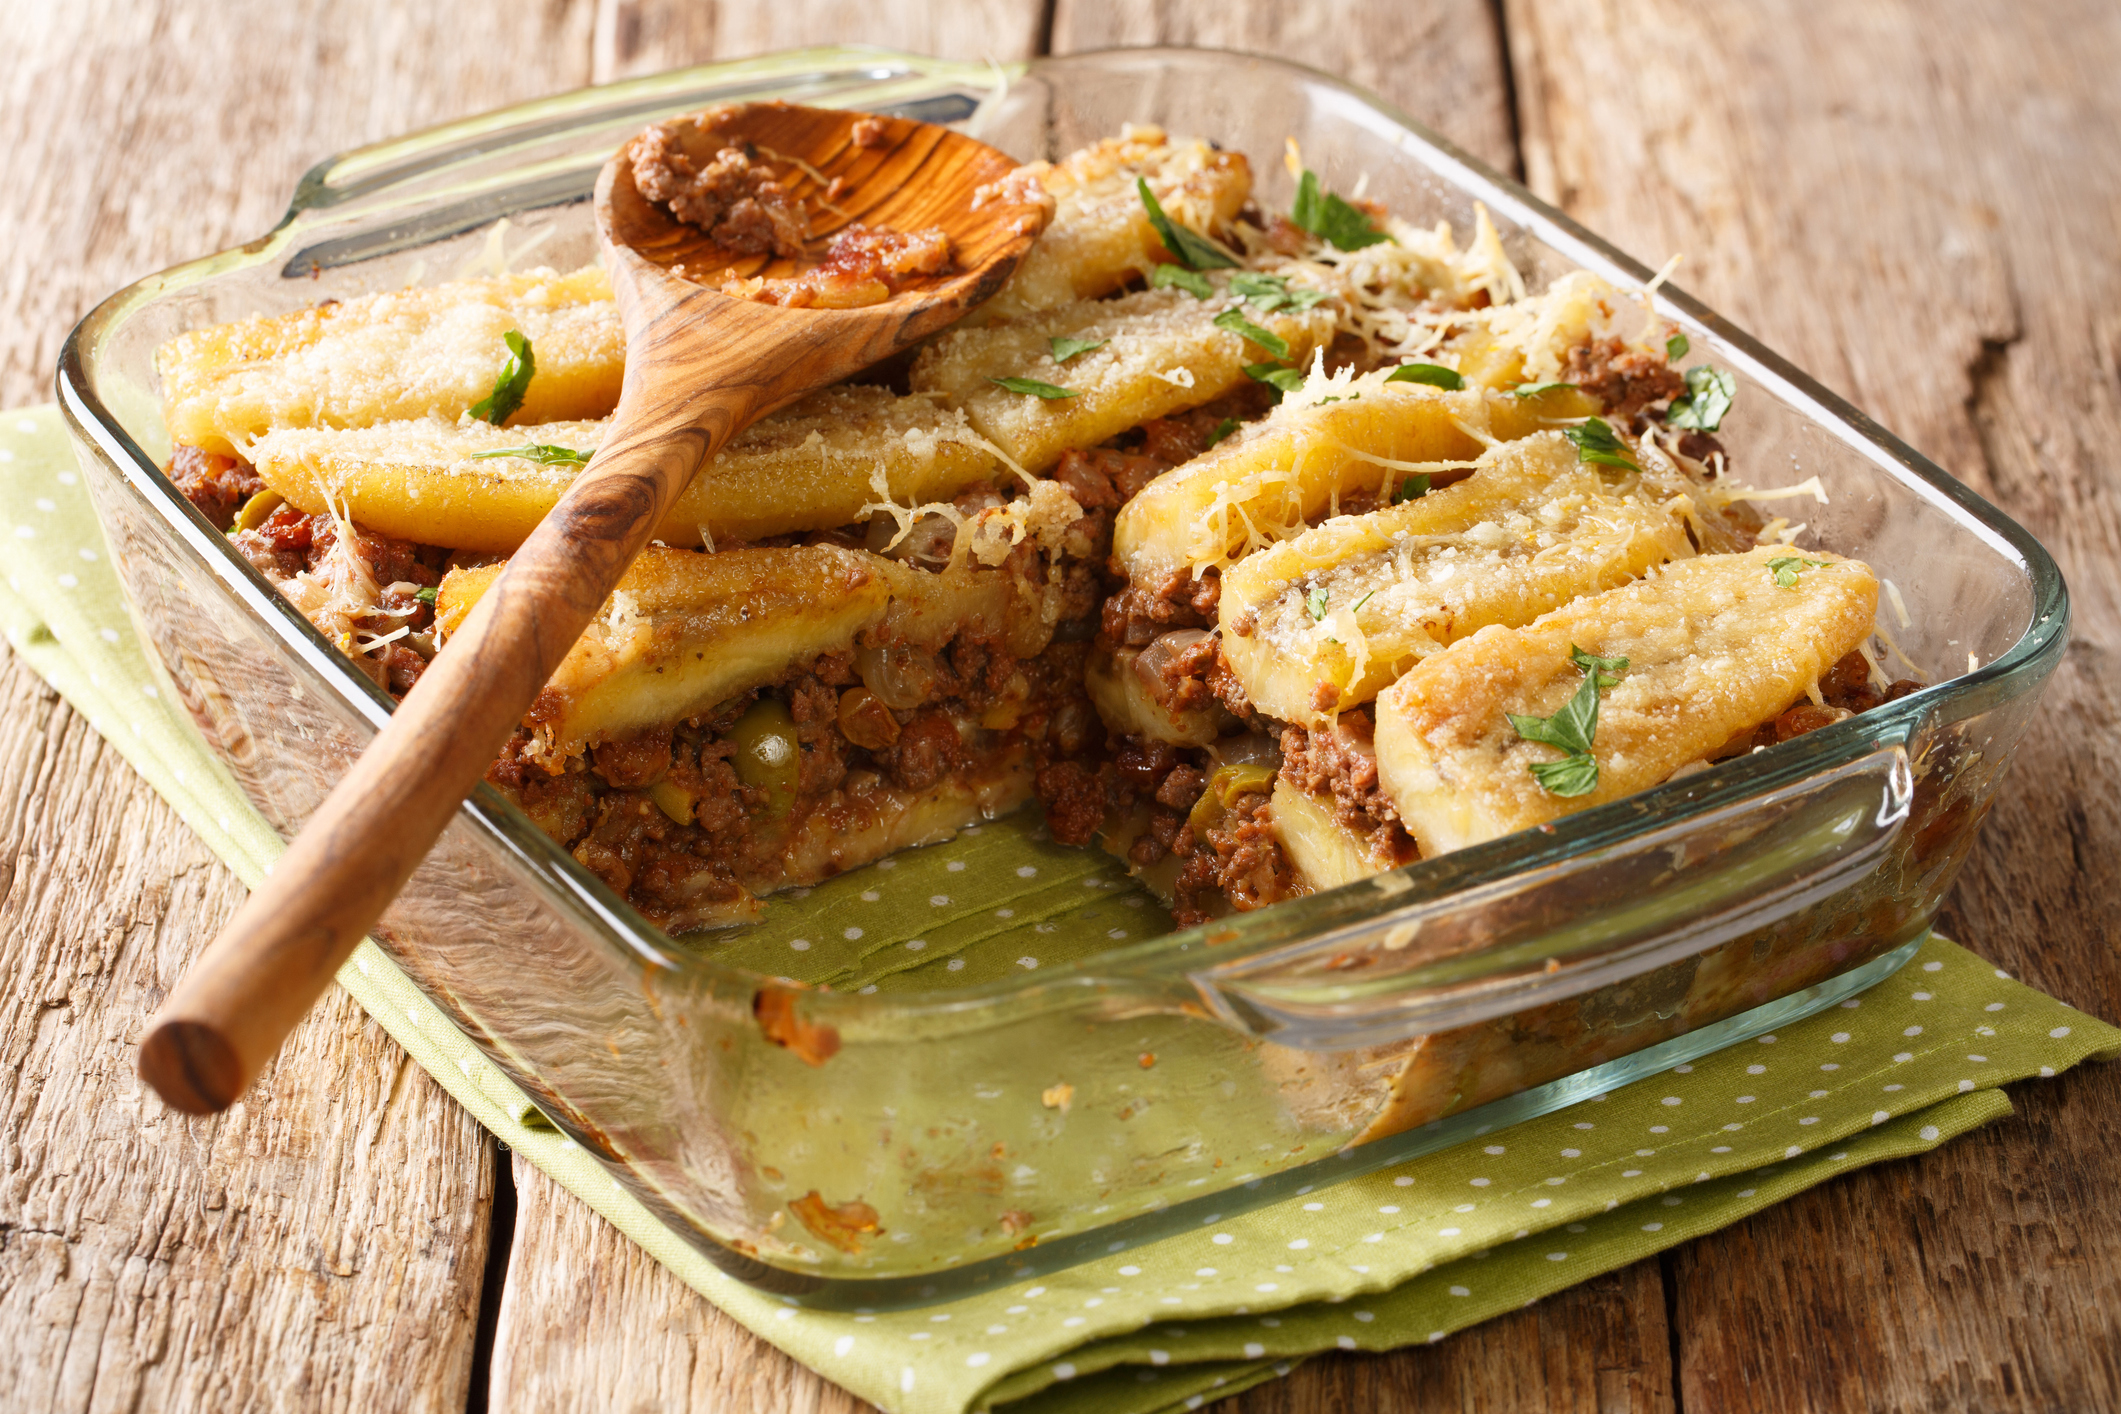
[{"x": 844, "y": 170}]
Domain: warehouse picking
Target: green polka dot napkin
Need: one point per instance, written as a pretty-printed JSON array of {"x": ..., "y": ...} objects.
[{"x": 1403, "y": 1256}]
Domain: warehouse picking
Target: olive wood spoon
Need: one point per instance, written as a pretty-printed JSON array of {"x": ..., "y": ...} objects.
[{"x": 700, "y": 366}]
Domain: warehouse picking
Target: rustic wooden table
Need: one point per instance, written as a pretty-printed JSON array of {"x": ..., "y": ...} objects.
[{"x": 1919, "y": 200}]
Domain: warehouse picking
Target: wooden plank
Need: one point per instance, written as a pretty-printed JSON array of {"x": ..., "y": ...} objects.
[
  {"x": 1915, "y": 202},
  {"x": 590, "y": 1321},
  {"x": 1439, "y": 60},
  {"x": 647, "y": 36},
  {"x": 321, "y": 1245}
]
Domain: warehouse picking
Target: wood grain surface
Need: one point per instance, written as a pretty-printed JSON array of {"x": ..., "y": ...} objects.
[{"x": 1919, "y": 201}]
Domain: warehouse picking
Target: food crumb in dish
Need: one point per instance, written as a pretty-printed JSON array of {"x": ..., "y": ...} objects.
[
  {"x": 844, "y": 1225},
  {"x": 1058, "y": 1097},
  {"x": 774, "y": 1009}
]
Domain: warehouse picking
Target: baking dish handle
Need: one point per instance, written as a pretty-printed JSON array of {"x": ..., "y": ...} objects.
[{"x": 1604, "y": 917}]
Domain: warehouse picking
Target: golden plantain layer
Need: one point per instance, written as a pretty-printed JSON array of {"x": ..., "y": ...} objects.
[
  {"x": 1714, "y": 646},
  {"x": 1293, "y": 466},
  {"x": 388, "y": 357},
  {"x": 1100, "y": 234},
  {"x": 809, "y": 466},
  {"x": 1325, "y": 852},
  {"x": 1332, "y": 617},
  {"x": 684, "y": 632},
  {"x": 1161, "y": 353},
  {"x": 1131, "y": 703}
]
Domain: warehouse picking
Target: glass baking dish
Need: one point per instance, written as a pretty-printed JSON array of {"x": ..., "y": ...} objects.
[{"x": 977, "y": 1134}]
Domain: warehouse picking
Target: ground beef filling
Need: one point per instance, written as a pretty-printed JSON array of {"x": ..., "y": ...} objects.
[
  {"x": 217, "y": 485},
  {"x": 1228, "y": 856},
  {"x": 665, "y": 818},
  {"x": 1341, "y": 763},
  {"x": 1845, "y": 691},
  {"x": 736, "y": 200},
  {"x": 290, "y": 542},
  {"x": 1139, "y": 614},
  {"x": 1626, "y": 380},
  {"x": 1236, "y": 859}
]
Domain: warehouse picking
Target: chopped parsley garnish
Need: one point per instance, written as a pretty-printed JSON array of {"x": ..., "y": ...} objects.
[
  {"x": 1193, "y": 250},
  {"x": 1435, "y": 375},
  {"x": 1033, "y": 387},
  {"x": 1675, "y": 348},
  {"x": 1268, "y": 293},
  {"x": 1786, "y": 568},
  {"x": 425, "y": 595},
  {"x": 1709, "y": 394},
  {"x": 1191, "y": 281},
  {"x": 1323, "y": 214},
  {"x": 508, "y": 389},
  {"x": 1608, "y": 670},
  {"x": 1315, "y": 601},
  {"x": 542, "y": 453},
  {"x": 1596, "y": 442},
  {"x": 1223, "y": 429},
  {"x": 1533, "y": 390},
  {"x": 1412, "y": 489},
  {"x": 1234, "y": 320},
  {"x": 1357, "y": 607},
  {"x": 1065, "y": 349},
  {"x": 1569, "y": 777},
  {"x": 1278, "y": 376},
  {"x": 1572, "y": 729}
]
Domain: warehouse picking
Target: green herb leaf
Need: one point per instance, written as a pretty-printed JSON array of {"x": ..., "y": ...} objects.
[
  {"x": 1606, "y": 671},
  {"x": 1278, "y": 376},
  {"x": 1572, "y": 728},
  {"x": 1234, "y": 320},
  {"x": 1710, "y": 391},
  {"x": 1435, "y": 375},
  {"x": 1675, "y": 348},
  {"x": 1193, "y": 250},
  {"x": 1191, "y": 281},
  {"x": 1223, "y": 429},
  {"x": 1533, "y": 390},
  {"x": 1596, "y": 442},
  {"x": 1268, "y": 293},
  {"x": 1786, "y": 568},
  {"x": 1315, "y": 601},
  {"x": 1033, "y": 387},
  {"x": 508, "y": 389},
  {"x": 425, "y": 595},
  {"x": 1413, "y": 488},
  {"x": 1569, "y": 777},
  {"x": 1357, "y": 607},
  {"x": 1323, "y": 214},
  {"x": 1065, "y": 349},
  {"x": 542, "y": 453}
]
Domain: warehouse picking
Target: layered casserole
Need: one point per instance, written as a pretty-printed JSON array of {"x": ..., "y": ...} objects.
[{"x": 1264, "y": 550}]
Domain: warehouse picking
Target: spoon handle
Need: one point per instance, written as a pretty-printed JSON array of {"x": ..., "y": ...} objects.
[{"x": 270, "y": 963}]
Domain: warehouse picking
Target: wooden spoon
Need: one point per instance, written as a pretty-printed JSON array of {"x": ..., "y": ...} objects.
[{"x": 700, "y": 366}]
